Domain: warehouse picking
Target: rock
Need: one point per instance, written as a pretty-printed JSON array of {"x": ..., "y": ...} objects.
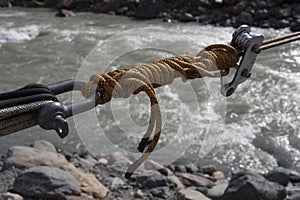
[
  {"x": 118, "y": 158},
  {"x": 87, "y": 182},
  {"x": 277, "y": 24},
  {"x": 294, "y": 178},
  {"x": 10, "y": 196},
  {"x": 190, "y": 194},
  {"x": 237, "y": 9},
  {"x": 245, "y": 18},
  {"x": 255, "y": 171},
  {"x": 26, "y": 157},
  {"x": 217, "y": 191},
  {"x": 82, "y": 197},
  {"x": 44, "y": 145},
  {"x": 149, "y": 9},
  {"x": 46, "y": 182},
  {"x": 102, "y": 161},
  {"x": 208, "y": 169},
  {"x": 218, "y": 175},
  {"x": 231, "y": 2},
  {"x": 261, "y": 15},
  {"x": 185, "y": 17},
  {"x": 194, "y": 180},
  {"x": 81, "y": 150},
  {"x": 139, "y": 178},
  {"x": 293, "y": 193},
  {"x": 280, "y": 13},
  {"x": 152, "y": 165},
  {"x": 161, "y": 192},
  {"x": 139, "y": 194},
  {"x": 249, "y": 186},
  {"x": 115, "y": 183},
  {"x": 174, "y": 180},
  {"x": 191, "y": 168},
  {"x": 157, "y": 180},
  {"x": 295, "y": 25},
  {"x": 180, "y": 168},
  {"x": 279, "y": 175}
]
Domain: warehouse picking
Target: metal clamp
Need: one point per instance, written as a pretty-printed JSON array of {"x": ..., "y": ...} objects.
[
  {"x": 53, "y": 115},
  {"x": 248, "y": 46}
]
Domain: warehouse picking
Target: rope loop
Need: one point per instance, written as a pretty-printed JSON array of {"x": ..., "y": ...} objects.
[{"x": 213, "y": 61}]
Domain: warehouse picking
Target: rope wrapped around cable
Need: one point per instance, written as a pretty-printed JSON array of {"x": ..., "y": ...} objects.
[
  {"x": 212, "y": 61},
  {"x": 19, "y": 108}
]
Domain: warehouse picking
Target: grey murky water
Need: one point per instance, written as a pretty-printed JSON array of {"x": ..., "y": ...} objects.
[{"x": 260, "y": 127}]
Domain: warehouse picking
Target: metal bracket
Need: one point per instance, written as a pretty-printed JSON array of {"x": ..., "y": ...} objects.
[{"x": 247, "y": 46}]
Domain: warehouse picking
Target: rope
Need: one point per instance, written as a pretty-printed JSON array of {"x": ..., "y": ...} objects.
[
  {"x": 19, "y": 108},
  {"x": 213, "y": 61}
]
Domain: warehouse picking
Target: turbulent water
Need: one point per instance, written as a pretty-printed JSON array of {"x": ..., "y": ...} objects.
[{"x": 258, "y": 126}]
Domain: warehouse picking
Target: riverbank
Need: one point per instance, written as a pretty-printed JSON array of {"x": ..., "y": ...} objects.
[
  {"x": 43, "y": 171},
  {"x": 265, "y": 14}
]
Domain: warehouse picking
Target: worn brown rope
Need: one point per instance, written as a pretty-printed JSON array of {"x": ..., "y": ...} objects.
[{"x": 212, "y": 61}]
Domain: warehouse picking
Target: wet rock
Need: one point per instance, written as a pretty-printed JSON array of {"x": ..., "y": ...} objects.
[
  {"x": 152, "y": 165},
  {"x": 10, "y": 196},
  {"x": 261, "y": 15},
  {"x": 44, "y": 145},
  {"x": 82, "y": 197},
  {"x": 185, "y": 17},
  {"x": 138, "y": 178},
  {"x": 46, "y": 182},
  {"x": 25, "y": 157},
  {"x": 82, "y": 151},
  {"x": 149, "y": 9},
  {"x": 277, "y": 24},
  {"x": 118, "y": 158},
  {"x": 157, "y": 180},
  {"x": 190, "y": 194},
  {"x": 249, "y": 186},
  {"x": 280, "y": 13},
  {"x": 294, "y": 178},
  {"x": 279, "y": 175},
  {"x": 194, "y": 180},
  {"x": 231, "y": 2},
  {"x": 217, "y": 191},
  {"x": 174, "y": 180},
  {"x": 208, "y": 169},
  {"x": 255, "y": 171},
  {"x": 218, "y": 175},
  {"x": 237, "y": 9},
  {"x": 87, "y": 182},
  {"x": 161, "y": 192},
  {"x": 295, "y": 25},
  {"x": 245, "y": 18}
]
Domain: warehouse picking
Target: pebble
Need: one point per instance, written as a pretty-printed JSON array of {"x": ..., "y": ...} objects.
[
  {"x": 208, "y": 169},
  {"x": 139, "y": 194},
  {"x": 10, "y": 196},
  {"x": 218, "y": 175},
  {"x": 46, "y": 182},
  {"x": 174, "y": 180},
  {"x": 194, "y": 180},
  {"x": 190, "y": 194},
  {"x": 154, "y": 181},
  {"x": 217, "y": 191}
]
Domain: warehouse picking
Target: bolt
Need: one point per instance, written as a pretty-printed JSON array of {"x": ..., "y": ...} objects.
[{"x": 246, "y": 73}]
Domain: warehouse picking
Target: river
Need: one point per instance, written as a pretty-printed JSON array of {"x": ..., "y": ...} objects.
[{"x": 258, "y": 126}]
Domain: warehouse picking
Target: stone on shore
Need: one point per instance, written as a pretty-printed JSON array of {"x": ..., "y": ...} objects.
[
  {"x": 190, "y": 194},
  {"x": 10, "y": 196},
  {"x": 46, "y": 182},
  {"x": 279, "y": 175},
  {"x": 25, "y": 157},
  {"x": 157, "y": 180},
  {"x": 87, "y": 182},
  {"x": 194, "y": 180},
  {"x": 217, "y": 191},
  {"x": 44, "y": 145},
  {"x": 249, "y": 186},
  {"x": 149, "y": 9}
]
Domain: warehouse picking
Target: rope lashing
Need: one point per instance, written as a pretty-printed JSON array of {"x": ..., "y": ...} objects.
[
  {"x": 213, "y": 61},
  {"x": 19, "y": 108}
]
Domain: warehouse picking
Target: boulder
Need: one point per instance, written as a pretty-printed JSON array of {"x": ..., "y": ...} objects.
[
  {"x": 249, "y": 186},
  {"x": 25, "y": 157},
  {"x": 46, "y": 182},
  {"x": 149, "y": 9}
]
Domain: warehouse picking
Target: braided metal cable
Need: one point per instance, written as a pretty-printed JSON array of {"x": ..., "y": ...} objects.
[{"x": 212, "y": 61}]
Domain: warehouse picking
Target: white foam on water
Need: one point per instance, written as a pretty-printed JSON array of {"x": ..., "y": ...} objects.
[{"x": 19, "y": 34}]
